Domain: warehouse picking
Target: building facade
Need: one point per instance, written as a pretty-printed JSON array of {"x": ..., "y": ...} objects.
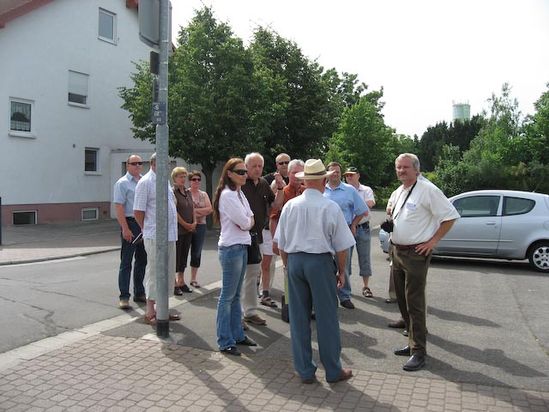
[{"x": 64, "y": 138}]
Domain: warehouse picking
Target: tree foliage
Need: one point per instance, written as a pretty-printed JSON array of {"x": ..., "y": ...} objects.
[
  {"x": 300, "y": 103},
  {"x": 212, "y": 100},
  {"x": 459, "y": 133},
  {"x": 506, "y": 154},
  {"x": 364, "y": 141},
  {"x": 225, "y": 99}
]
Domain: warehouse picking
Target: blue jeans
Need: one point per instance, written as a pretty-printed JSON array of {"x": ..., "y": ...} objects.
[
  {"x": 312, "y": 284},
  {"x": 362, "y": 239},
  {"x": 127, "y": 252},
  {"x": 197, "y": 243},
  {"x": 345, "y": 292},
  {"x": 233, "y": 261}
]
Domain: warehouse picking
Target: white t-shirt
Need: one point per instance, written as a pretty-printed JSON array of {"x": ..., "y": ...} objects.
[
  {"x": 145, "y": 201},
  {"x": 367, "y": 194},
  {"x": 420, "y": 217}
]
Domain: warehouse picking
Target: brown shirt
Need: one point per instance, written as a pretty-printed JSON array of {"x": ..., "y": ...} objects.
[
  {"x": 259, "y": 197},
  {"x": 184, "y": 208}
]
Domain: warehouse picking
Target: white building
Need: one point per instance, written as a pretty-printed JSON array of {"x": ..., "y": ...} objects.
[{"x": 63, "y": 136}]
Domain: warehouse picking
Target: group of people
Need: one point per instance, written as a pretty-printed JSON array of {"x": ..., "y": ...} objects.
[
  {"x": 306, "y": 214},
  {"x": 135, "y": 205}
]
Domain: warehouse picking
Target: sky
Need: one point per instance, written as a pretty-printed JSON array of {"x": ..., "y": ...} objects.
[{"x": 426, "y": 54}]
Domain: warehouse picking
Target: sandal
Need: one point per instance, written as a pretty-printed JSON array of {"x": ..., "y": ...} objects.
[
  {"x": 174, "y": 316},
  {"x": 194, "y": 284},
  {"x": 267, "y": 301},
  {"x": 366, "y": 292},
  {"x": 150, "y": 320}
]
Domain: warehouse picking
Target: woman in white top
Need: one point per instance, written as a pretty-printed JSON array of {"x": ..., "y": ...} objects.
[{"x": 232, "y": 211}]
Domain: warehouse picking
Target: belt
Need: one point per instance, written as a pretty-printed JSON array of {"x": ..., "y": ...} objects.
[
  {"x": 404, "y": 247},
  {"x": 365, "y": 225}
]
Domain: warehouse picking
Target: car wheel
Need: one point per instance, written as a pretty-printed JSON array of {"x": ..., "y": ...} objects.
[{"x": 538, "y": 255}]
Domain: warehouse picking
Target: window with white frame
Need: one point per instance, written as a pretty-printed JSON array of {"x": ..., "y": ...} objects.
[
  {"x": 91, "y": 159},
  {"x": 107, "y": 26},
  {"x": 78, "y": 87},
  {"x": 21, "y": 115}
]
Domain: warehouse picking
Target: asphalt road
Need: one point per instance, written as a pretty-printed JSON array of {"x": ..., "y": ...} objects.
[{"x": 487, "y": 320}]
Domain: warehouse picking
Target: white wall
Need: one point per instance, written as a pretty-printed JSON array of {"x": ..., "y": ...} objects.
[{"x": 36, "y": 52}]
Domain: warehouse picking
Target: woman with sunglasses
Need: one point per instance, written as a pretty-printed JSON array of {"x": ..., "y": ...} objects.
[
  {"x": 232, "y": 211},
  {"x": 202, "y": 208}
]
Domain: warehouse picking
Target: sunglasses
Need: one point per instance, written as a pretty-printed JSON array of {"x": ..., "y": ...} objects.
[
  {"x": 283, "y": 163},
  {"x": 136, "y": 163},
  {"x": 240, "y": 172},
  {"x": 195, "y": 179}
]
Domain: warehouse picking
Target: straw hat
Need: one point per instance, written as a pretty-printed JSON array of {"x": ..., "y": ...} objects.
[{"x": 314, "y": 169}]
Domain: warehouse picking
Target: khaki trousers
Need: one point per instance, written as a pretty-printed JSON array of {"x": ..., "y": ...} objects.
[{"x": 410, "y": 276}]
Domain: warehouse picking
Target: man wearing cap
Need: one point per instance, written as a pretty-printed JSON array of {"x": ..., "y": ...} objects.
[
  {"x": 354, "y": 208},
  {"x": 363, "y": 237},
  {"x": 311, "y": 232}
]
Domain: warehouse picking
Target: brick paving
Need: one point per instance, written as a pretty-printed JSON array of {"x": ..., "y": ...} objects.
[{"x": 106, "y": 373}]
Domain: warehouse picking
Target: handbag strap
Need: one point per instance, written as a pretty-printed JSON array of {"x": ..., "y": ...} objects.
[{"x": 403, "y": 203}]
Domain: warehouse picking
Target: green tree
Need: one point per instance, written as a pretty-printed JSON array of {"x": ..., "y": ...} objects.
[
  {"x": 430, "y": 145},
  {"x": 502, "y": 156},
  {"x": 299, "y": 110},
  {"x": 364, "y": 141},
  {"x": 213, "y": 96}
]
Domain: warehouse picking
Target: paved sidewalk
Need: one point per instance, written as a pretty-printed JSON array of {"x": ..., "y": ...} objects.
[
  {"x": 35, "y": 243},
  {"x": 113, "y": 373}
]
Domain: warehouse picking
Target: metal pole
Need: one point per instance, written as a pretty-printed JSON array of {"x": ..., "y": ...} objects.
[
  {"x": 0, "y": 220},
  {"x": 162, "y": 132}
]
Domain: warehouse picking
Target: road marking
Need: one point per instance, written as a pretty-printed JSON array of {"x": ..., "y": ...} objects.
[{"x": 13, "y": 357}]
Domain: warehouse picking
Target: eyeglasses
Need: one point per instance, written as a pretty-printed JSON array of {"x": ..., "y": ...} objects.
[
  {"x": 240, "y": 172},
  {"x": 136, "y": 163},
  {"x": 195, "y": 179},
  {"x": 283, "y": 163}
]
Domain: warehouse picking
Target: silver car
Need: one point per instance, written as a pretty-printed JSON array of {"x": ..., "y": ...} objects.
[{"x": 503, "y": 224}]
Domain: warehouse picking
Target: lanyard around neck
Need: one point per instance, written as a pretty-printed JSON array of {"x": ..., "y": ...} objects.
[{"x": 403, "y": 203}]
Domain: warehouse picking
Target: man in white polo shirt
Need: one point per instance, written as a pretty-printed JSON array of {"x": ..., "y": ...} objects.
[
  {"x": 421, "y": 216},
  {"x": 144, "y": 207}
]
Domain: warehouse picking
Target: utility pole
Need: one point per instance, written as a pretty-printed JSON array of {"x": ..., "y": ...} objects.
[
  {"x": 155, "y": 31},
  {"x": 162, "y": 133}
]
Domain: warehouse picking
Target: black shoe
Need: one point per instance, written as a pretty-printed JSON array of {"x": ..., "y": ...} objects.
[
  {"x": 405, "y": 351},
  {"x": 389, "y": 300},
  {"x": 405, "y": 332},
  {"x": 247, "y": 342},
  {"x": 415, "y": 363},
  {"x": 347, "y": 304},
  {"x": 140, "y": 299},
  {"x": 399, "y": 324},
  {"x": 232, "y": 350},
  {"x": 309, "y": 381},
  {"x": 313, "y": 316},
  {"x": 186, "y": 289},
  {"x": 177, "y": 291}
]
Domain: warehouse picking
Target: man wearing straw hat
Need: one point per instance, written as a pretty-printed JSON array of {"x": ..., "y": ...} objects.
[{"x": 313, "y": 239}]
